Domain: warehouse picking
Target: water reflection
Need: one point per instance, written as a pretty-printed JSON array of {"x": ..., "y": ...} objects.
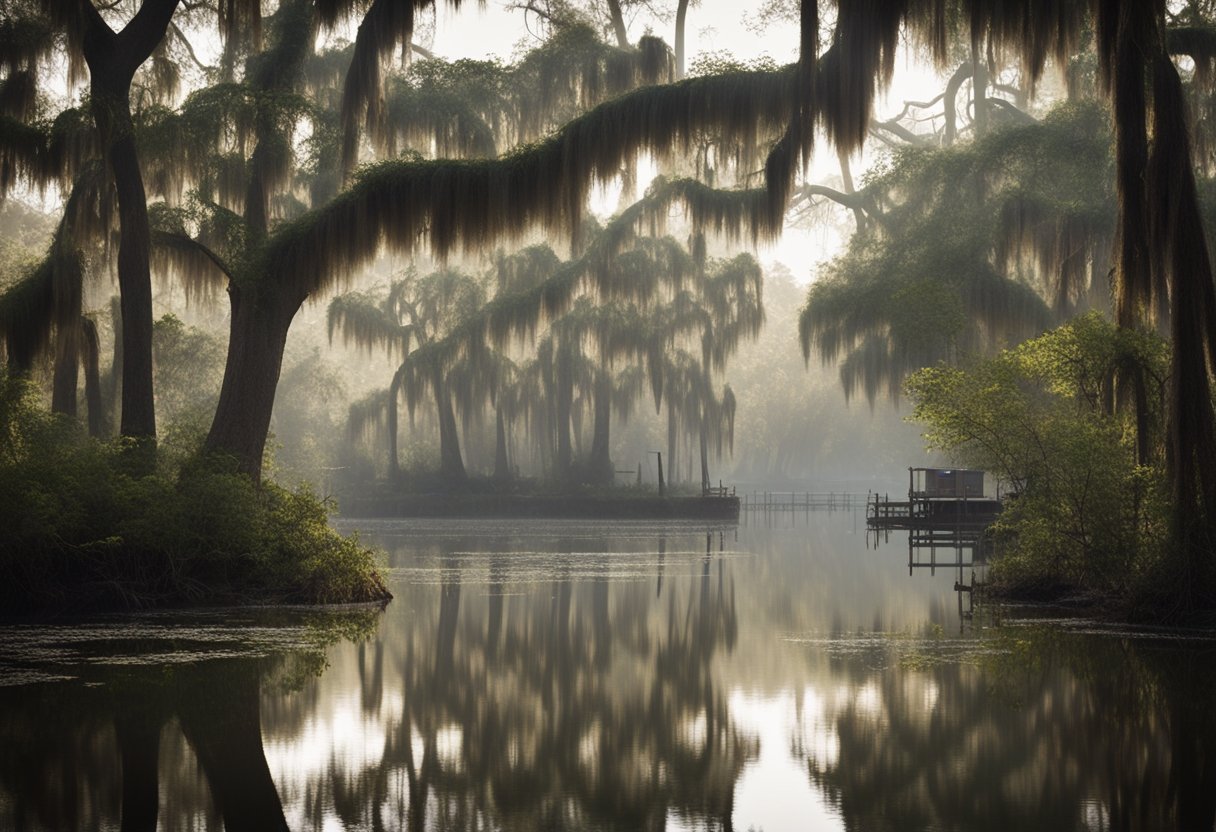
[
  {"x": 118, "y": 712},
  {"x": 615, "y": 676},
  {"x": 1044, "y": 729},
  {"x": 556, "y": 696}
]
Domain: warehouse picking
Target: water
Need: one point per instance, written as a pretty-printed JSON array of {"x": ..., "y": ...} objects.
[{"x": 574, "y": 675}]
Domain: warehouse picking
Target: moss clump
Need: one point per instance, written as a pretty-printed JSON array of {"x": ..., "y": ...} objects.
[{"x": 83, "y": 532}]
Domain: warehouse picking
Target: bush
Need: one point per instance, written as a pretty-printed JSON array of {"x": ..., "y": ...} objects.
[
  {"x": 1048, "y": 419},
  {"x": 82, "y": 531}
]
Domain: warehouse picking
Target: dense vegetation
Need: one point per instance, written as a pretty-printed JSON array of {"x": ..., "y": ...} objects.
[
  {"x": 1083, "y": 514},
  {"x": 296, "y": 161},
  {"x": 88, "y": 532}
]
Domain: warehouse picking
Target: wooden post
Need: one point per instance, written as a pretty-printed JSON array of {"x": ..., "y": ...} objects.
[{"x": 662, "y": 485}]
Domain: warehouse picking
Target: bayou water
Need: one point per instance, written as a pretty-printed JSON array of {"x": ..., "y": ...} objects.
[{"x": 779, "y": 675}]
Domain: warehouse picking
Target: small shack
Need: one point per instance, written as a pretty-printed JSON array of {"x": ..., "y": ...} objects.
[
  {"x": 944, "y": 483},
  {"x": 944, "y": 505}
]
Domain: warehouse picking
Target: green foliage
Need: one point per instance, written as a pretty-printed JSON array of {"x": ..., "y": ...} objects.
[
  {"x": 1043, "y": 418},
  {"x": 188, "y": 365},
  {"x": 968, "y": 249},
  {"x": 83, "y": 532}
]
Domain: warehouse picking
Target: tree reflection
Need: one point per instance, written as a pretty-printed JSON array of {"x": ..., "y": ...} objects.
[
  {"x": 579, "y": 702},
  {"x": 99, "y": 752},
  {"x": 1049, "y": 731}
]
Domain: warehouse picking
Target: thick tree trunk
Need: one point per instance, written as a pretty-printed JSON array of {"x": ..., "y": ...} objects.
[
  {"x": 257, "y": 337},
  {"x": 451, "y": 465},
  {"x": 115, "y": 378},
  {"x": 135, "y": 284},
  {"x": 111, "y": 112},
  {"x": 112, "y": 60}
]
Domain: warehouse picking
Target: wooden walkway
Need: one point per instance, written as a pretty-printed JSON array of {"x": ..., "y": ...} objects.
[{"x": 801, "y": 501}]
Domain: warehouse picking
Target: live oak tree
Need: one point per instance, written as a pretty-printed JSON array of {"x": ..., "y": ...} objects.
[{"x": 1161, "y": 262}]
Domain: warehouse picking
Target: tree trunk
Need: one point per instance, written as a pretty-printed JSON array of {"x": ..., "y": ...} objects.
[
  {"x": 672, "y": 436},
  {"x": 115, "y": 378},
  {"x": 502, "y": 468},
  {"x": 618, "y": 23},
  {"x": 451, "y": 466},
  {"x": 67, "y": 374},
  {"x": 394, "y": 467},
  {"x": 565, "y": 404},
  {"x": 92, "y": 374},
  {"x": 681, "y": 17},
  {"x": 599, "y": 463},
  {"x": 704, "y": 459},
  {"x": 257, "y": 337},
  {"x": 979, "y": 91},
  {"x": 846, "y": 178},
  {"x": 950, "y": 102},
  {"x": 112, "y": 60},
  {"x": 112, "y": 114}
]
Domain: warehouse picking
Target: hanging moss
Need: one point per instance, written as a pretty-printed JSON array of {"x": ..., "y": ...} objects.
[
  {"x": 24, "y": 155},
  {"x": 975, "y": 243}
]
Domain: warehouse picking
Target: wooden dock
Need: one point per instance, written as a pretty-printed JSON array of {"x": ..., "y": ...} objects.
[
  {"x": 937, "y": 516},
  {"x": 801, "y": 501}
]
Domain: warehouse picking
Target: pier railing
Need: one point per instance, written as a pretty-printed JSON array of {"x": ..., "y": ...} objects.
[{"x": 805, "y": 501}]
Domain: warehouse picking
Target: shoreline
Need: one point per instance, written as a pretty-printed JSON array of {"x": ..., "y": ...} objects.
[{"x": 556, "y": 507}]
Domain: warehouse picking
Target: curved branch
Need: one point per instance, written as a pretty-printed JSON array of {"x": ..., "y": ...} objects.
[
  {"x": 896, "y": 129},
  {"x": 473, "y": 203}
]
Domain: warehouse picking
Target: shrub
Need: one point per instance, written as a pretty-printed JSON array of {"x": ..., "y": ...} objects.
[
  {"x": 82, "y": 531},
  {"x": 1047, "y": 418}
]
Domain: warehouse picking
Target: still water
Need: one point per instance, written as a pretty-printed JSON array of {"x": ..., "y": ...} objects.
[{"x": 576, "y": 675}]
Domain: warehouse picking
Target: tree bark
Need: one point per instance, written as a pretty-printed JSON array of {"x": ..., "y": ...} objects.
[
  {"x": 112, "y": 60},
  {"x": 257, "y": 337},
  {"x": 846, "y": 178},
  {"x": 451, "y": 465},
  {"x": 618, "y": 23}
]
